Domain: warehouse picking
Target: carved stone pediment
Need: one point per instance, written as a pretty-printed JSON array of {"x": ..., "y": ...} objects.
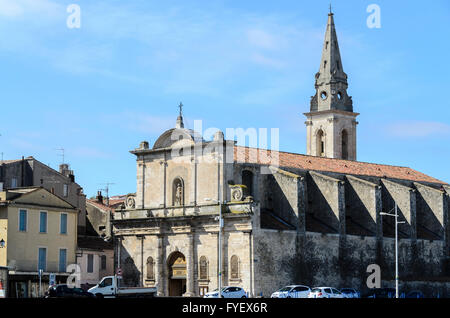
[{"x": 130, "y": 201}]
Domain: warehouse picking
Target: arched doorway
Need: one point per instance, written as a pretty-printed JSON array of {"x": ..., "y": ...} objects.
[{"x": 177, "y": 274}]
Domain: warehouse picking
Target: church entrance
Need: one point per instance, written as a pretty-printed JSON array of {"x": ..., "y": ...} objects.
[{"x": 177, "y": 274}]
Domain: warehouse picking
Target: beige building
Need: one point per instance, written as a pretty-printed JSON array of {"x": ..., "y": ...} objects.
[
  {"x": 40, "y": 232},
  {"x": 95, "y": 251},
  {"x": 288, "y": 218}
]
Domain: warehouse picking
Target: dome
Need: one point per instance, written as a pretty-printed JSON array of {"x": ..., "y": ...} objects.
[{"x": 177, "y": 137}]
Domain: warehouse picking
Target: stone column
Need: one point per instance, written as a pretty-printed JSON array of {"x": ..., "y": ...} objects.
[
  {"x": 193, "y": 187},
  {"x": 160, "y": 267},
  {"x": 141, "y": 270},
  {"x": 302, "y": 201},
  {"x": 251, "y": 286},
  {"x": 190, "y": 267}
]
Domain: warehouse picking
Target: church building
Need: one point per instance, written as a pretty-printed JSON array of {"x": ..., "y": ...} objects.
[{"x": 311, "y": 219}]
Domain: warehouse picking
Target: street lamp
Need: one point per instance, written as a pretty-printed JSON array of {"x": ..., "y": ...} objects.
[
  {"x": 220, "y": 243},
  {"x": 396, "y": 245}
]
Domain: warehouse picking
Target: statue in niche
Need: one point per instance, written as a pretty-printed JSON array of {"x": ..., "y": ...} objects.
[{"x": 178, "y": 189}]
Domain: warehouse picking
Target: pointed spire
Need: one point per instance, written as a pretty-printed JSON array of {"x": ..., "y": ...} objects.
[
  {"x": 331, "y": 81},
  {"x": 180, "y": 123}
]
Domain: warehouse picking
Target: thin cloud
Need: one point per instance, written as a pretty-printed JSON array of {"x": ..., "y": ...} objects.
[
  {"x": 141, "y": 122},
  {"x": 413, "y": 129}
]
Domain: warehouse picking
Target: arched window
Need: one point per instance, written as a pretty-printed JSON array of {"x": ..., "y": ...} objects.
[
  {"x": 320, "y": 146},
  {"x": 150, "y": 268},
  {"x": 234, "y": 267},
  {"x": 203, "y": 267},
  {"x": 178, "y": 192},
  {"x": 344, "y": 144},
  {"x": 247, "y": 180}
]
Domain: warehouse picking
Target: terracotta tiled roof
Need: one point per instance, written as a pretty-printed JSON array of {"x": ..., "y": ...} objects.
[
  {"x": 113, "y": 204},
  {"x": 304, "y": 162}
]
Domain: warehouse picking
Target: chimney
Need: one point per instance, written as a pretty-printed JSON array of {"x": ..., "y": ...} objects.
[
  {"x": 99, "y": 197},
  {"x": 64, "y": 170}
]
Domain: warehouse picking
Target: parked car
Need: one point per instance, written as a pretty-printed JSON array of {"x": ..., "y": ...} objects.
[
  {"x": 64, "y": 291},
  {"x": 292, "y": 291},
  {"x": 325, "y": 292},
  {"x": 228, "y": 292},
  {"x": 415, "y": 294},
  {"x": 350, "y": 293},
  {"x": 381, "y": 293}
]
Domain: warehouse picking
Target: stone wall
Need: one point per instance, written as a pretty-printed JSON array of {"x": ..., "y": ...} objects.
[
  {"x": 286, "y": 257},
  {"x": 326, "y": 204}
]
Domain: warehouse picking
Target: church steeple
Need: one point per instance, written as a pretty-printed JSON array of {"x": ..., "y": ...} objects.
[
  {"x": 331, "y": 81},
  {"x": 180, "y": 123},
  {"x": 331, "y": 122}
]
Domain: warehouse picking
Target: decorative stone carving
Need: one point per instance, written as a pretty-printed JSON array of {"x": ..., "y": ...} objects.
[
  {"x": 239, "y": 193},
  {"x": 130, "y": 202}
]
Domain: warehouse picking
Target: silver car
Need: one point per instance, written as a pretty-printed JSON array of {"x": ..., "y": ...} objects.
[
  {"x": 228, "y": 292},
  {"x": 325, "y": 292},
  {"x": 292, "y": 291}
]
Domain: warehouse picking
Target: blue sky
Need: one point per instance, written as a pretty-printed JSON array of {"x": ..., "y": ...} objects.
[{"x": 99, "y": 90}]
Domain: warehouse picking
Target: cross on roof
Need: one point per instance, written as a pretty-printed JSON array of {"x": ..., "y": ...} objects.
[{"x": 181, "y": 108}]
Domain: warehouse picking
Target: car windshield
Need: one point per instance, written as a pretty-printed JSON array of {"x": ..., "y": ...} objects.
[
  {"x": 216, "y": 290},
  {"x": 315, "y": 290},
  {"x": 287, "y": 288}
]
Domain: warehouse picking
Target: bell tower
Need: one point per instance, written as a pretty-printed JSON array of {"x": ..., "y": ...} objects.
[{"x": 331, "y": 122}]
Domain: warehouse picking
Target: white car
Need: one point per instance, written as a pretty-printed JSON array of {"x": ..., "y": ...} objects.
[
  {"x": 350, "y": 293},
  {"x": 292, "y": 291},
  {"x": 325, "y": 292},
  {"x": 228, "y": 292}
]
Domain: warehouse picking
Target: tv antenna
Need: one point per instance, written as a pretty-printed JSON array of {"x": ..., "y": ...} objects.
[
  {"x": 106, "y": 189},
  {"x": 61, "y": 154}
]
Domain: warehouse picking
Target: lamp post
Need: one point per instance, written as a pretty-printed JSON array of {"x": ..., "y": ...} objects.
[
  {"x": 396, "y": 245},
  {"x": 220, "y": 243}
]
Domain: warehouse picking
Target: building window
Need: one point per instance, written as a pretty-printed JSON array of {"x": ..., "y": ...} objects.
[
  {"x": 43, "y": 222},
  {"x": 247, "y": 180},
  {"x": 63, "y": 223},
  {"x": 90, "y": 263},
  {"x": 23, "y": 216},
  {"x": 42, "y": 259},
  {"x": 178, "y": 192},
  {"x": 150, "y": 269},
  {"x": 234, "y": 267},
  {"x": 344, "y": 144},
  {"x": 103, "y": 262},
  {"x": 65, "y": 190},
  {"x": 203, "y": 267},
  {"x": 14, "y": 183},
  {"x": 62, "y": 260},
  {"x": 320, "y": 146}
]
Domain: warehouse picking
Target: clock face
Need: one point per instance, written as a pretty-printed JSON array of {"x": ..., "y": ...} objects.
[{"x": 323, "y": 95}]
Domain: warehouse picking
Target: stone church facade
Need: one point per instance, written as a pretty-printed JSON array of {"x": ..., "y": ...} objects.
[{"x": 314, "y": 219}]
